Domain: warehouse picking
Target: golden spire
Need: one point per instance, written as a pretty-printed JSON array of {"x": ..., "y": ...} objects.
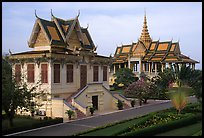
[{"x": 145, "y": 37}]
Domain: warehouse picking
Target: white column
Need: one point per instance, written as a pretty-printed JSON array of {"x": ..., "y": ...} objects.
[
  {"x": 162, "y": 67},
  {"x": 124, "y": 65},
  {"x": 119, "y": 66},
  {"x": 129, "y": 63},
  {"x": 149, "y": 64},
  {"x": 155, "y": 68},
  {"x": 193, "y": 66},
  {"x": 114, "y": 68}
]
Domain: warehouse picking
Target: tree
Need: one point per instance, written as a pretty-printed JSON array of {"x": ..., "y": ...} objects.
[
  {"x": 182, "y": 76},
  {"x": 140, "y": 89},
  {"x": 70, "y": 113},
  {"x": 124, "y": 76},
  {"x": 15, "y": 95}
]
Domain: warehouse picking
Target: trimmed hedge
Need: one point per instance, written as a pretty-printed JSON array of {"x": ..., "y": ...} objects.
[
  {"x": 143, "y": 120},
  {"x": 149, "y": 131},
  {"x": 41, "y": 123}
]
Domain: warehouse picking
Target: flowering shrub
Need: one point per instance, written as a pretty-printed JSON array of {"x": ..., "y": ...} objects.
[
  {"x": 157, "y": 119},
  {"x": 140, "y": 89}
]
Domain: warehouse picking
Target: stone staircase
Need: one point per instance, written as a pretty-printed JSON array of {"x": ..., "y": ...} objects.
[
  {"x": 79, "y": 113},
  {"x": 126, "y": 102}
]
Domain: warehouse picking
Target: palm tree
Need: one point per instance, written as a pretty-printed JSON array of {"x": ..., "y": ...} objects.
[
  {"x": 70, "y": 113},
  {"x": 182, "y": 76},
  {"x": 179, "y": 100}
]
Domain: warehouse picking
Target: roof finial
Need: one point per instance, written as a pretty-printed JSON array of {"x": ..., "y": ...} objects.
[
  {"x": 145, "y": 12},
  {"x": 51, "y": 13},
  {"x": 87, "y": 26},
  {"x": 36, "y": 14},
  {"x": 78, "y": 13}
]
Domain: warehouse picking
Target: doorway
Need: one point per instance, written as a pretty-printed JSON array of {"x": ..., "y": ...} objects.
[{"x": 95, "y": 102}]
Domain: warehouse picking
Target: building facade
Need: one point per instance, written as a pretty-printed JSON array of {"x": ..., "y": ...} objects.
[
  {"x": 65, "y": 61},
  {"x": 148, "y": 56}
]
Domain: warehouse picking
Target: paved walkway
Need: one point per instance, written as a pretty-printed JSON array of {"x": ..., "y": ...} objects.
[{"x": 76, "y": 126}]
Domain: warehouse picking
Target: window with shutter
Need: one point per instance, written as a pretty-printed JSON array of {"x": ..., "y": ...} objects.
[
  {"x": 30, "y": 73},
  {"x": 44, "y": 73},
  {"x": 104, "y": 73},
  {"x": 95, "y": 73},
  {"x": 18, "y": 73},
  {"x": 69, "y": 73},
  {"x": 56, "y": 73}
]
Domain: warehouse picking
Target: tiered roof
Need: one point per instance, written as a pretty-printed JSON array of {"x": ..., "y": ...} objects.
[
  {"x": 157, "y": 52},
  {"x": 58, "y": 31}
]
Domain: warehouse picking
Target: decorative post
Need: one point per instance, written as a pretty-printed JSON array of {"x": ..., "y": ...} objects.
[
  {"x": 113, "y": 68},
  {"x": 155, "y": 68},
  {"x": 162, "y": 67},
  {"x": 140, "y": 63}
]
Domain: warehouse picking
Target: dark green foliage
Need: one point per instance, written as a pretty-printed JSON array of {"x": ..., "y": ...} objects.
[
  {"x": 70, "y": 113},
  {"x": 15, "y": 95},
  {"x": 91, "y": 109},
  {"x": 124, "y": 76},
  {"x": 120, "y": 105}
]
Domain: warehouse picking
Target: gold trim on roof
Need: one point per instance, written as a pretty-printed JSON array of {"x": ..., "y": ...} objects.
[
  {"x": 118, "y": 50},
  {"x": 155, "y": 58},
  {"x": 152, "y": 46},
  {"x": 163, "y": 46},
  {"x": 65, "y": 27},
  {"x": 171, "y": 59},
  {"x": 173, "y": 47},
  {"x": 53, "y": 33},
  {"x": 126, "y": 49}
]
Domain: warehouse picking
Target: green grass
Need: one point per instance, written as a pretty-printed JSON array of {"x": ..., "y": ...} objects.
[
  {"x": 184, "y": 131},
  {"x": 19, "y": 122},
  {"x": 108, "y": 131}
]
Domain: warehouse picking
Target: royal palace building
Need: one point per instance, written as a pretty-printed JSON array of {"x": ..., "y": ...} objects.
[
  {"x": 64, "y": 59},
  {"x": 148, "y": 56}
]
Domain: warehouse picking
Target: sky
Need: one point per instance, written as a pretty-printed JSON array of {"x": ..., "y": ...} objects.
[{"x": 111, "y": 24}]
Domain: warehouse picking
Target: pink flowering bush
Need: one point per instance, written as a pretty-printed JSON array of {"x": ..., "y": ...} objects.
[{"x": 140, "y": 89}]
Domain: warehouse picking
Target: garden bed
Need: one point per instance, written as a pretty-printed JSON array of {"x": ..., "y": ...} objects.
[{"x": 155, "y": 119}]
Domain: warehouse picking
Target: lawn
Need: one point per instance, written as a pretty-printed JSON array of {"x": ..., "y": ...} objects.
[
  {"x": 123, "y": 126},
  {"x": 108, "y": 131},
  {"x": 184, "y": 131},
  {"x": 21, "y": 123}
]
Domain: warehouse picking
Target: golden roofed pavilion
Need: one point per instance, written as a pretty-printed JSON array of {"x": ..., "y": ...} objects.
[{"x": 149, "y": 56}]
